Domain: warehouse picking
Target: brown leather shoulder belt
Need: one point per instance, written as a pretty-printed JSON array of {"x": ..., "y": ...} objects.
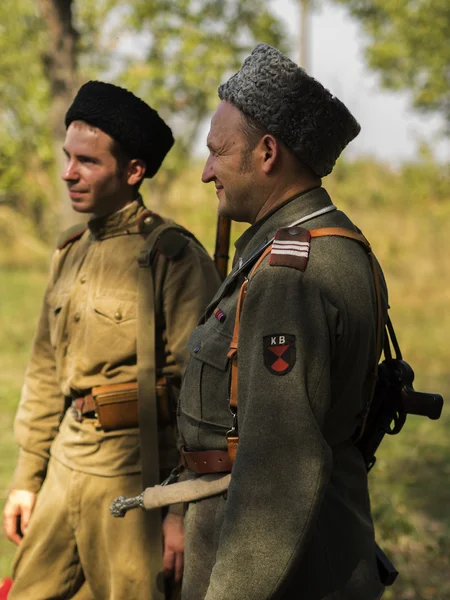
[{"x": 219, "y": 461}]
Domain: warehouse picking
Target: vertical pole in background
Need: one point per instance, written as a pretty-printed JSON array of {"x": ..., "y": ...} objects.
[
  {"x": 304, "y": 6},
  {"x": 222, "y": 246}
]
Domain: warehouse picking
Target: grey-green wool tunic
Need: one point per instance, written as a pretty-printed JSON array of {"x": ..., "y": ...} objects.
[{"x": 296, "y": 521}]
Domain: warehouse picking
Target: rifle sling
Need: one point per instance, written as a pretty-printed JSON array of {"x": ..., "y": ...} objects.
[{"x": 147, "y": 400}]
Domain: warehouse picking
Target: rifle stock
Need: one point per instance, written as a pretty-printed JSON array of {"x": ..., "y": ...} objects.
[{"x": 222, "y": 246}]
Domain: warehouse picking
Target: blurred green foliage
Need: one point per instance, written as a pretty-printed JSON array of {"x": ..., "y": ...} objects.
[
  {"x": 408, "y": 45},
  {"x": 25, "y": 147},
  {"x": 172, "y": 54}
]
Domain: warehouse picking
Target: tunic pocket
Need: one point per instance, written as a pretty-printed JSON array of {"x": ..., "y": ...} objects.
[
  {"x": 109, "y": 336},
  {"x": 116, "y": 315},
  {"x": 204, "y": 414},
  {"x": 211, "y": 349}
]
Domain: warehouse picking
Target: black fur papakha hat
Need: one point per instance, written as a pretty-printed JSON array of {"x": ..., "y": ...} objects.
[
  {"x": 136, "y": 126},
  {"x": 292, "y": 106}
]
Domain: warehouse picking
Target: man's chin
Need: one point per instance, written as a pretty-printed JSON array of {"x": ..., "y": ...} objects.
[
  {"x": 223, "y": 208},
  {"x": 81, "y": 207},
  {"x": 227, "y": 212}
]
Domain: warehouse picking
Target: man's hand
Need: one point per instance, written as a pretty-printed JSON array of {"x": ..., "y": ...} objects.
[
  {"x": 17, "y": 513},
  {"x": 173, "y": 531}
]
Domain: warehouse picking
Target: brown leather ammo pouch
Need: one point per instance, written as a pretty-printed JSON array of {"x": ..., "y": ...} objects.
[{"x": 117, "y": 405}]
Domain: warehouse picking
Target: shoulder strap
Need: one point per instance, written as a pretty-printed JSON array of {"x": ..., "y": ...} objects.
[
  {"x": 70, "y": 235},
  {"x": 232, "y": 435},
  {"x": 169, "y": 239},
  {"x": 147, "y": 398}
]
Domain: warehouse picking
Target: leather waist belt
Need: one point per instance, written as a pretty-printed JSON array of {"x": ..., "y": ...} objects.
[
  {"x": 83, "y": 406},
  {"x": 206, "y": 461}
]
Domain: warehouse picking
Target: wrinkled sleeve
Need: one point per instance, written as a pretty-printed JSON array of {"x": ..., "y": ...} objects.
[
  {"x": 40, "y": 409},
  {"x": 190, "y": 284},
  {"x": 283, "y": 463}
]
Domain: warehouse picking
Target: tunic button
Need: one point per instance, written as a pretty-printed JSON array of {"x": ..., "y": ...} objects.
[
  {"x": 118, "y": 316},
  {"x": 294, "y": 230},
  {"x": 77, "y": 317},
  {"x": 83, "y": 279},
  {"x": 196, "y": 349}
]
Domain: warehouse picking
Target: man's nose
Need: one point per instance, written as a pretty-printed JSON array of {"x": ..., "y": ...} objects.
[
  {"x": 70, "y": 172},
  {"x": 208, "y": 171}
]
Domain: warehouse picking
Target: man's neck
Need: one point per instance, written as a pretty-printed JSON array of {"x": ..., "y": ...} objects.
[
  {"x": 120, "y": 207},
  {"x": 279, "y": 197}
]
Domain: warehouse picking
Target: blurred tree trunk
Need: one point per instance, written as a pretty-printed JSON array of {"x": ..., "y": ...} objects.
[{"x": 60, "y": 65}]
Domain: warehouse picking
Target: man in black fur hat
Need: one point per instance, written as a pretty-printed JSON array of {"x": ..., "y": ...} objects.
[
  {"x": 78, "y": 420},
  {"x": 282, "y": 368}
]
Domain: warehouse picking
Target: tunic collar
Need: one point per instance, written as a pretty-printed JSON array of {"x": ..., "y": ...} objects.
[
  {"x": 297, "y": 207},
  {"x": 122, "y": 222},
  {"x": 253, "y": 240}
]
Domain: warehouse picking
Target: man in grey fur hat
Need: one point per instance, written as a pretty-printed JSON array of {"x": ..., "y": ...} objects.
[{"x": 282, "y": 367}]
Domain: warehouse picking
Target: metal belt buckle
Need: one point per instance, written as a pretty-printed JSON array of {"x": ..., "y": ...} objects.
[
  {"x": 233, "y": 431},
  {"x": 76, "y": 413}
]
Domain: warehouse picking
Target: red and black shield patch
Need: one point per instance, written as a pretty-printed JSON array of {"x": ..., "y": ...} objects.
[{"x": 279, "y": 352}]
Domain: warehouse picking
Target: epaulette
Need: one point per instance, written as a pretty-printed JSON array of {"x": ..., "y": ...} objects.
[
  {"x": 163, "y": 235},
  {"x": 70, "y": 235},
  {"x": 290, "y": 248},
  {"x": 172, "y": 242},
  {"x": 148, "y": 221}
]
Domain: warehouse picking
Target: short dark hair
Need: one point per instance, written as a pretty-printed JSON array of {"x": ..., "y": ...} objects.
[
  {"x": 122, "y": 160},
  {"x": 252, "y": 130}
]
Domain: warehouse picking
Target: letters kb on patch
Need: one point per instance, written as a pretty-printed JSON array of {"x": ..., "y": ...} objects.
[{"x": 279, "y": 352}]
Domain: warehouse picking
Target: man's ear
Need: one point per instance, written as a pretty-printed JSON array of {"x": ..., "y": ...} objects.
[
  {"x": 135, "y": 171},
  {"x": 270, "y": 152}
]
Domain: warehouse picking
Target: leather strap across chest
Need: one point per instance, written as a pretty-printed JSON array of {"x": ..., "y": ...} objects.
[{"x": 216, "y": 461}]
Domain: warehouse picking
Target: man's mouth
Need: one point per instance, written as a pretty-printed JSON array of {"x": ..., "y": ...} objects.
[{"x": 76, "y": 193}]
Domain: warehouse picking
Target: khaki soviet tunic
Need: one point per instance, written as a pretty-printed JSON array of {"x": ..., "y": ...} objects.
[
  {"x": 86, "y": 337},
  {"x": 296, "y": 521}
]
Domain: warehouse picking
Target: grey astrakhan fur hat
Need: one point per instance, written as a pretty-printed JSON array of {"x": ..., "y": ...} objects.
[
  {"x": 137, "y": 127},
  {"x": 292, "y": 106}
]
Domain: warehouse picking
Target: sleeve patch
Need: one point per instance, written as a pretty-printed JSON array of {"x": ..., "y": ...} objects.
[
  {"x": 291, "y": 248},
  {"x": 279, "y": 353}
]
